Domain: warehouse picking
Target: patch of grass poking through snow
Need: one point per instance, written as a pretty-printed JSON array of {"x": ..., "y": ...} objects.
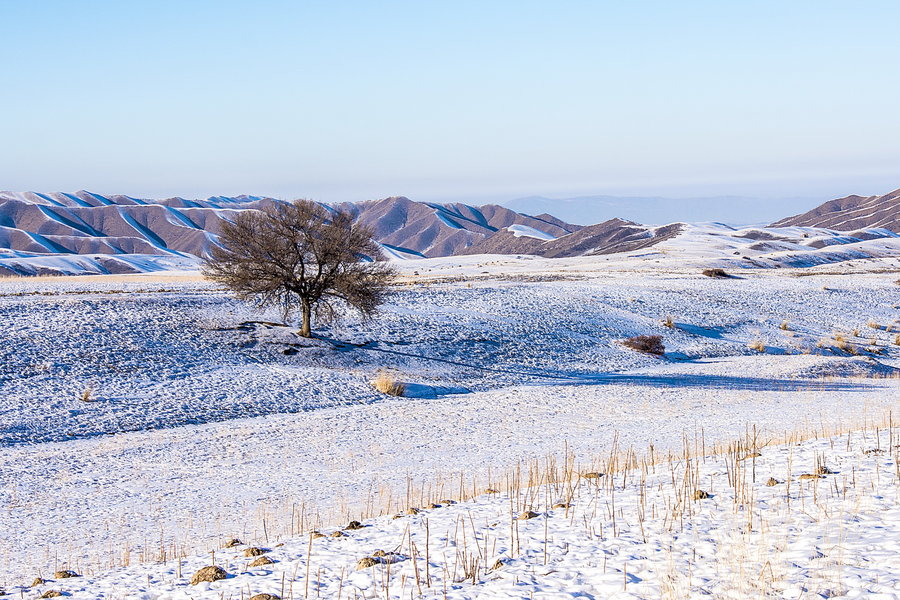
[
  {"x": 387, "y": 383},
  {"x": 757, "y": 345},
  {"x": 647, "y": 344}
]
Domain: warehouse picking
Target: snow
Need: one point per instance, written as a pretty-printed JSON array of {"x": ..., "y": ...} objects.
[
  {"x": 207, "y": 419},
  {"x": 525, "y": 230}
]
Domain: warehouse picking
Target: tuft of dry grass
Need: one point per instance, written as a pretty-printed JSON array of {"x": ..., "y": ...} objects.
[
  {"x": 386, "y": 383},
  {"x": 785, "y": 326},
  {"x": 669, "y": 322},
  {"x": 648, "y": 344},
  {"x": 208, "y": 574},
  {"x": 757, "y": 345}
]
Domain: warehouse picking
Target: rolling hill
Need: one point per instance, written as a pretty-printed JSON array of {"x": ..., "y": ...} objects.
[{"x": 850, "y": 213}]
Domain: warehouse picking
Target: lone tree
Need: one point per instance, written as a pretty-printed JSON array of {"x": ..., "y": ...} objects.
[{"x": 302, "y": 256}]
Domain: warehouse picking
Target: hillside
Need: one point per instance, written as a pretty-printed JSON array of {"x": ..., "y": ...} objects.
[
  {"x": 851, "y": 212},
  {"x": 90, "y": 233}
]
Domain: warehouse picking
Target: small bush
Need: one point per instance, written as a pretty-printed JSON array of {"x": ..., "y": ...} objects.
[
  {"x": 757, "y": 345},
  {"x": 648, "y": 344},
  {"x": 669, "y": 322},
  {"x": 716, "y": 273},
  {"x": 386, "y": 383},
  {"x": 785, "y": 326}
]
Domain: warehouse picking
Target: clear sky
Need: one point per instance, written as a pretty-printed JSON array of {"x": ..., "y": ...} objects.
[{"x": 451, "y": 100}]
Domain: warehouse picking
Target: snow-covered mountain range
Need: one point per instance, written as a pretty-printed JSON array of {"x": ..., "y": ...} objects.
[{"x": 85, "y": 232}]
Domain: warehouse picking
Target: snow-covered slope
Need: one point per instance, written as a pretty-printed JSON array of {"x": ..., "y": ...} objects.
[
  {"x": 852, "y": 212},
  {"x": 89, "y": 233}
]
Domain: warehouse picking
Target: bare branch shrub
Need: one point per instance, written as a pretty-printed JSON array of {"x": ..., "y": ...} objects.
[
  {"x": 716, "y": 273},
  {"x": 648, "y": 344}
]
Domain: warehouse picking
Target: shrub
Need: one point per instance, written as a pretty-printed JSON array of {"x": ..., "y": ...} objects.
[
  {"x": 757, "y": 345},
  {"x": 669, "y": 322},
  {"x": 785, "y": 326},
  {"x": 716, "y": 273},
  {"x": 386, "y": 383},
  {"x": 648, "y": 344}
]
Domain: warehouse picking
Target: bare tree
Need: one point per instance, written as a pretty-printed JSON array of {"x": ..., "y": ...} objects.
[{"x": 302, "y": 256}]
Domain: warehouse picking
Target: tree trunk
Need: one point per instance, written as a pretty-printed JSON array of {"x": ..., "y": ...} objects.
[{"x": 306, "y": 326}]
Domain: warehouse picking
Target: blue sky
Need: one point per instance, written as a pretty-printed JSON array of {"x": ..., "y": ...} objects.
[{"x": 459, "y": 100}]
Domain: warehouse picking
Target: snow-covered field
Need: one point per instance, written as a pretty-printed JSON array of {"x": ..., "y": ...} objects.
[{"x": 153, "y": 412}]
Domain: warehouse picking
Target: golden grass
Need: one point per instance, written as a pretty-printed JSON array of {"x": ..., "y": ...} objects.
[
  {"x": 757, "y": 345},
  {"x": 387, "y": 383}
]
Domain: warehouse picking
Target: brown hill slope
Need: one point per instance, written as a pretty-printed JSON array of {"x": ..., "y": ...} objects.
[{"x": 851, "y": 213}]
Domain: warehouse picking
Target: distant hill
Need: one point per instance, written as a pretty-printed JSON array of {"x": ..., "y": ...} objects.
[
  {"x": 84, "y": 232},
  {"x": 588, "y": 210},
  {"x": 116, "y": 233},
  {"x": 851, "y": 213}
]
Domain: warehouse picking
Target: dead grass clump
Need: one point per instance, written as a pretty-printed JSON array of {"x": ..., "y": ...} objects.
[
  {"x": 648, "y": 344},
  {"x": 716, "y": 273},
  {"x": 232, "y": 543},
  {"x": 262, "y": 561},
  {"x": 265, "y": 597},
  {"x": 353, "y": 525},
  {"x": 250, "y": 552},
  {"x": 366, "y": 563},
  {"x": 65, "y": 574},
  {"x": 592, "y": 475},
  {"x": 772, "y": 482},
  {"x": 528, "y": 514},
  {"x": 386, "y": 383},
  {"x": 785, "y": 326},
  {"x": 897, "y": 340},
  {"x": 810, "y": 476},
  {"x": 874, "y": 325},
  {"x": 208, "y": 574},
  {"x": 701, "y": 495},
  {"x": 87, "y": 395},
  {"x": 757, "y": 345},
  {"x": 51, "y": 594},
  {"x": 338, "y": 534},
  {"x": 316, "y": 535},
  {"x": 669, "y": 322},
  {"x": 38, "y": 581},
  {"x": 491, "y": 491}
]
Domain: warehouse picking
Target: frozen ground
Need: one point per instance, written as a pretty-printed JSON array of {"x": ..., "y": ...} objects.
[
  {"x": 199, "y": 425},
  {"x": 815, "y": 519}
]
